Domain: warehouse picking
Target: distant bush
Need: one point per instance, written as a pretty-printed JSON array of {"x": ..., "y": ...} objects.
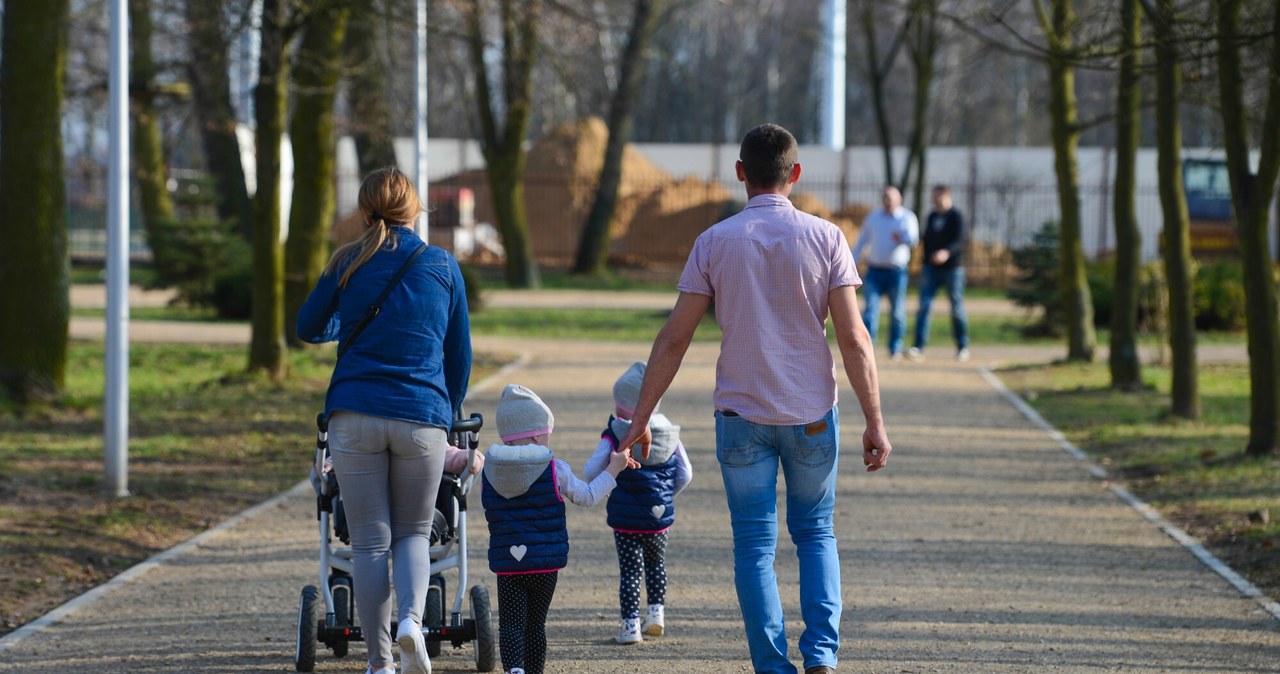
[
  {"x": 206, "y": 261},
  {"x": 1035, "y": 286},
  {"x": 1219, "y": 296}
]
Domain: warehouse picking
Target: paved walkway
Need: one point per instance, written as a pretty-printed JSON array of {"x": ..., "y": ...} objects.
[{"x": 983, "y": 548}]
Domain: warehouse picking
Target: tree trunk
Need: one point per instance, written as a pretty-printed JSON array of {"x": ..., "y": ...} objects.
[
  {"x": 506, "y": 182},
  {"x": 923, "y": 49},
  {"x": 319, "y": 63},
  {"x": 504, "y": 148},
  {"x": 148, "y": 151},
  {"x": 267, "y": 346},
  {"x": 1251, "y": 196},
  {"x": 593, "y": 248},
  {"x": 1124, "y": 362},
  {"x": 1185, "y": 398},
  {"x": 1076, "y": 301},
  {"x": 876, "y": 76},
  {"x": 34, "y": 307},
  {"x": 370, "y": 116},
  {"x": 207, "y": 69}
]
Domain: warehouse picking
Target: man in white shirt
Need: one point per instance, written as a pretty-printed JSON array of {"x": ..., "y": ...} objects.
[{"x": 888, "y": 234}]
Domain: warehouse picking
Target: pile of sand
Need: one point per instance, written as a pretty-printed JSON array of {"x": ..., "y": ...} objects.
[{"x": 657, "y": 217}]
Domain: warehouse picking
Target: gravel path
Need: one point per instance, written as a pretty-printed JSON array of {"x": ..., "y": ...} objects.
[{"x": 983, "y": 548}]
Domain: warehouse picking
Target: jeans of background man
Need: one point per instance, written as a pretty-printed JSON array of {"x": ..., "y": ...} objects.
[
  {"x": 952, "y": 278},
  {"x": 893, "y": 284},
  {"x": 749, "y": 456}
]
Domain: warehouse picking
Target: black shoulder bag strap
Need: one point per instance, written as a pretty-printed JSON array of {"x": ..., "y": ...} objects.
[
  {"x": 322, "y": 419},
  {"x": 377, "y": 304}
]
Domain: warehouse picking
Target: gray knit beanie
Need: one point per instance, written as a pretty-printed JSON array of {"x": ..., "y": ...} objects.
[
  {"x": 522, "y": 414},
  {"x": 626, "y": 391}
]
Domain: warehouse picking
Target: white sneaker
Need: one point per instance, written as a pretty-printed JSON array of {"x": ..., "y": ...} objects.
[
  {"x": 653, "y": 622},
  {"x": 915, "y": 354},
  {"x": 389, "y": 669},
  {"x": 413, "y": 648},
  {"x": 629, "y": 631},
  {"x": 962, "y": 355},
  {"x": 895, "y": 356},
  {"x": 516, "y": 670}
]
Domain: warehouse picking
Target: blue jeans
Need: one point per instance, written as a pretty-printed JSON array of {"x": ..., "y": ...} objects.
[
  {"x": 892, "y": 283},
  {"x": 749, "y": 455},
  {"x": 953, "y": 280}
]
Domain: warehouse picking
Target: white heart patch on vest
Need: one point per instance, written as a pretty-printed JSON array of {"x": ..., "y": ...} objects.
[
  {"x": 518, "y": 551},
  {"x": 658, "y": 510}
]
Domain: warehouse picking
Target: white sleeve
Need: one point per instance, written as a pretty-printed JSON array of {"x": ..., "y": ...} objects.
[
  {"x": 684, "y": 470},
  {"x": 579, "y": 492},
  {"x": 598, "y": 461}
]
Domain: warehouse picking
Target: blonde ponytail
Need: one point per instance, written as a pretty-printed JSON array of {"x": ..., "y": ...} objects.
[{"x": 387, "y": 199}]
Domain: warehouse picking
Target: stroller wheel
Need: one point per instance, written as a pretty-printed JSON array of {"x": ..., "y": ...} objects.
[
  {"x": 485, "y": 661},
  {"x": 310, "y": 613},
  {"x": 341, "y": 588},
  {"x": 433, "y": 612}
]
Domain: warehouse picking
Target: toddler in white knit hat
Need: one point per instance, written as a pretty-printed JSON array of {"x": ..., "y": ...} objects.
[
  {"x": 642, "y": 507},
  {"x": 524, "y": 487}
]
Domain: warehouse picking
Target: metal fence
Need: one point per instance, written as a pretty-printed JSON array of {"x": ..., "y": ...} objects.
[{"x": 657, "y": 221}]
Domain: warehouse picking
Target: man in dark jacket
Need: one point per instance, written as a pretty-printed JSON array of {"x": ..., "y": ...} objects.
[{"x": 943, "y": 239}]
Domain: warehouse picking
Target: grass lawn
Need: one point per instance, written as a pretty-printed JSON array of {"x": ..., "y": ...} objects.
[
  {"x": 206, "y": 440},
  {"x": 1194, "y": 472}
]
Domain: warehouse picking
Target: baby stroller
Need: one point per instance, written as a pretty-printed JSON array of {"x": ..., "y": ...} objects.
[{"x": 326, "y": 612}]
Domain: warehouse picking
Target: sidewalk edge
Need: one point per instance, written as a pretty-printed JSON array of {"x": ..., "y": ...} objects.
[
  {"x": 1197, "y": 550},
  {"x": 140, "y": 569}
]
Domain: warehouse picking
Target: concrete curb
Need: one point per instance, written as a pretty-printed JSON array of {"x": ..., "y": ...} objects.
[{"x": 1246, "y": 588}]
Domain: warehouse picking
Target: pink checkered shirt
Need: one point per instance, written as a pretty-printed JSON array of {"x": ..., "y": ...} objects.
[{"x": 769, "y": 270}]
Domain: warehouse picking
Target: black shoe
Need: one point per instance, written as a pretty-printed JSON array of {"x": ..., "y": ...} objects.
[{"x": 820, "y": 669}]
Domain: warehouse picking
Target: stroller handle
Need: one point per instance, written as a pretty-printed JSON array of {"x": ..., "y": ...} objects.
[
  {"x": 465, "y": 433},
  {"x": 471, "y": 424}
]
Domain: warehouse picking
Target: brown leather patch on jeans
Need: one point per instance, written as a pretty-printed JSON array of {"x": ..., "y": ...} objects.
[{"x": 815, "y": 427}]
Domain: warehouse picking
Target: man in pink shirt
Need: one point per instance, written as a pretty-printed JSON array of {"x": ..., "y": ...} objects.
[{"x": 775, "y": 274}]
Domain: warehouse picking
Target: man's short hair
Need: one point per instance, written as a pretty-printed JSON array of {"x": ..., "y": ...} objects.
[
  {"x": 768, "y": 153},
  {"x": 941, "y": 189}
]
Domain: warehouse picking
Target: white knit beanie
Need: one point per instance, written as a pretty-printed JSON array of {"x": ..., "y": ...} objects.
[
  {"x": 626, "y": 391},
  {"x": 522, "y": 414}
]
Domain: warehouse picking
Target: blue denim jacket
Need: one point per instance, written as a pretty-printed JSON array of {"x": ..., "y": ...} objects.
[{"x": 413, "y": 360}]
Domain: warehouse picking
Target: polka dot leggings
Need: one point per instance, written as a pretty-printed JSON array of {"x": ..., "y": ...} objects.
[
  {"x": 523, "y": 600},
  {"x": 641, "y": 555}
]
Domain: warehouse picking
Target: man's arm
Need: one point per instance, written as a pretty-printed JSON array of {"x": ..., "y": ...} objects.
[
  {"x": 665, "y": 357},
  {"x": 860, "y": 367},
  {"x": 956, "y": 246}
]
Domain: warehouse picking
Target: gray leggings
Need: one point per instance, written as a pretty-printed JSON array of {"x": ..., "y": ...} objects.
[{"x": 388, "y": 475}]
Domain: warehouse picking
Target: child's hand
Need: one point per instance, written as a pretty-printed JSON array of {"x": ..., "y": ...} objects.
[
  {"x": 478, "y": 464},
  {"x": 619, "y": 461},
  {"x": 631, "y": 459}
]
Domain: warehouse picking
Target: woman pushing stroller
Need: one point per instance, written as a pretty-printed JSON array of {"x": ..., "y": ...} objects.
[{"x": 399, "y": 381}]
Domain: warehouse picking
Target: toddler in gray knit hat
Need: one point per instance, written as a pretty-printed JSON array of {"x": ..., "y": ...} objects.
[
  {"x": 524, "y": 487},
  {"x": 642, "y": 507}
]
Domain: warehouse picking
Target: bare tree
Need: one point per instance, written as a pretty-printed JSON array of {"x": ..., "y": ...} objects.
[
  {"x": 267, "y": 351},
  {"x": 318, "y": 65},
  {"x": 503, "y": 129},
  {"x": 879, "y": 66},
  {"x": 207, "y": 68},
  {"x": 593, "y": 248},
  {"x": 34, "y": 308},
  {"x": 1251, "y": 195},
  {"x": 923, "y": 49},
  {"x": 370, "y": 118},
  {"x": 1058, "y": 24},
  {"x": 150, "y": 169},
  {"x": 1124, "y": 363},
  {"x": 1185, "y": 396}
]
